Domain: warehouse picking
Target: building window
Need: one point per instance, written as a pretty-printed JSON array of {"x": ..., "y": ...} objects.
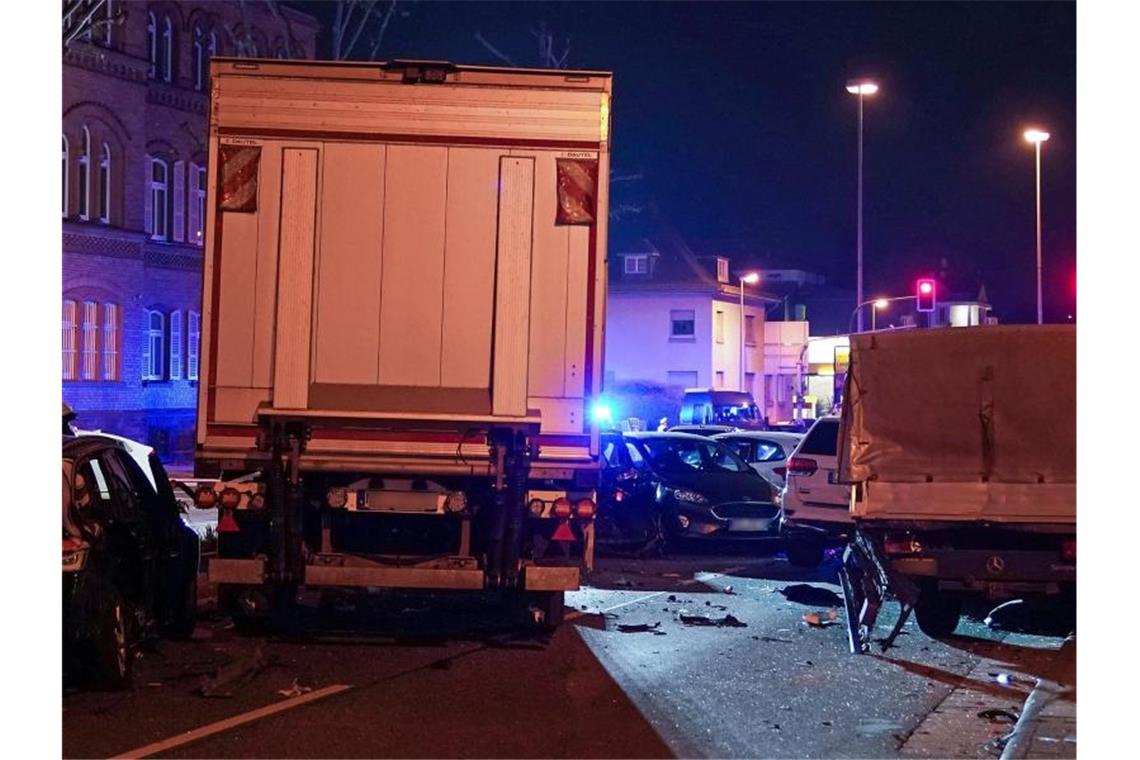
[
  {"x": 199, "y": 59},
  {"x": 197, "y": 203},
  {"x": 637, "y": 264},
  {"x": 154, "y": 347},
  {"x": 721, "y": 270},
  {"x": 158, "y": 223},
  {"x": 750, "y": 383},
  {"x": 175, "y": 345},
  {"x": 179, "y": 215},
  {"x": 65, "y": 176},
  {"x": 719, "y": 326},
  {"x": 193, "y": 337},
  {"x": 110, "y": 341},
  {"x": 683, "y": 324},
  {"x": 750, "y": 329},
  {"x": 70, "y": 353},
  {"x": 152, "y": 45},
  {"x": 167, "y": 56},
  {"x": 84, "y": 173},
  {"x": 90, "y": 335},
  {"x": 105, "y": 185},
  {"x": 719, "y": 379}
]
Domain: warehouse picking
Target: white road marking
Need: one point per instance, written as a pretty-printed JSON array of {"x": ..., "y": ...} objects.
[{"x": 228, "y": 723}]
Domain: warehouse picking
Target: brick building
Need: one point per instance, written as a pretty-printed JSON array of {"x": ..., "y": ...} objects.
[{"x": 135, "y": 100}]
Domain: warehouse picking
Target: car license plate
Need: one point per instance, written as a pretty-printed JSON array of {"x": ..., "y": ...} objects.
[{"x": 749, "y": 523}]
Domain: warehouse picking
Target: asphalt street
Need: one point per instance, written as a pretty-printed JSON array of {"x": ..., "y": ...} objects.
[{"x": 637, "y": 670}]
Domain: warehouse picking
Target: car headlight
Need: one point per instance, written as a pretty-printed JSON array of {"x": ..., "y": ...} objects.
[{"x": 690, "y": 497}]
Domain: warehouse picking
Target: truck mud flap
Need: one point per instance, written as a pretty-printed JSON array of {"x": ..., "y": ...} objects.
[{"x": 244, "y": 571}]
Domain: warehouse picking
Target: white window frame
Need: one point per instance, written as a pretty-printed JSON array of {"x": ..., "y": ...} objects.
[
  {"x": 199, "y": 58},
  {"x": 718, "y": 325},
  {"x": 89, "y": 337},
  {"x": 70, "y": 350},
  {"x": 197, "y": 206},
  {"x": 154, "y": 345},
  {"x": 640, "y": 262},
  {"x": 678, "y": 315},
  {"x": 193, "y": 341},
  {"x": 152, "y": 45},
  {"x": 105, "y": 184},
  {"x": 111, "y": 342},
  {"x": 750, "y": 329},
  {"x": 718, "y": 382},
  {"x": 721, "y": 269},
  {"x": 66, "y": 176},
  {"x": 159, "y": 203},
  {"x": 85, "y": 174},
  {"x": 167, "y": 50},
  {"x": 175, "y": 365},
  {"x": 179, "y": 213}
]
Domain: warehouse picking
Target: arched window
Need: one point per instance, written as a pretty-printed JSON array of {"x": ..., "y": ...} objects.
[
  {"x": 65, "y": 176},
  {"x": 167, "y": 50},
  {"x": 199, "y": 59},
  {"x": 152, "y": 44},
  {"x": 84, "y": 174},
  {"x": 105, "y": 185},
  {"x": 154, "y": 347},
  {"x": 157, "y": 222}
]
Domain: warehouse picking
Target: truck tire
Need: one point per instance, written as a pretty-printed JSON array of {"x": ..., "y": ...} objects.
[
  {"x": 937, "y": 612},
  {"x": 804, "y": 552}
]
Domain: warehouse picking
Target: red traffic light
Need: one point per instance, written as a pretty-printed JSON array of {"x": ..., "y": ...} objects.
[{"x": 925, "y": 294}]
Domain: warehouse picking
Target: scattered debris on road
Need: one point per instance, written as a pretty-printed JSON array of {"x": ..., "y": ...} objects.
[
  {"x": 728, "y": 590},
  {"x": 727, "y": 621},
  {"x": 998, "y": 715},
  {"x": 640, "y": 627},
  {"x": 812, "y": 596},
  {"x": 234, "y": 674},
  {"x": 295, "y": 690},
  {"x": 821, "y": 619}
]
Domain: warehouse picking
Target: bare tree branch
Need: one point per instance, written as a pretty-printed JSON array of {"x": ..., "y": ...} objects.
[
  {"x": 383, "y": 28},
  {"x": 493, "y": 50},
  {"x": 360, "y": 28},
  {"x": 291, "y": 41}
]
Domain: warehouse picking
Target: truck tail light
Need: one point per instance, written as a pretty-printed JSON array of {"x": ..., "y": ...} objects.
[
  {"x": 337, "y": 498},
  {"x": 1069, "y": 550},
  {"x": 562, "y": 507},
  {"x": 257, "y": 501},
  {"x": 227, "y": 523},
  {"x": 230, "y": 499},
  {"x": 896, "y": 545},
  {"x": 801, "y": 466},
  {"x": 585, "y": 508},
  {"x": 535, "y": 507},
  {"x": 205, "y": 498}
]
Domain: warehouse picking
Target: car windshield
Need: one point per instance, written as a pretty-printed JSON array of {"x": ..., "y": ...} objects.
[
  {"x": 685, "y": 455},
  {"x": 736, "y": 413}
]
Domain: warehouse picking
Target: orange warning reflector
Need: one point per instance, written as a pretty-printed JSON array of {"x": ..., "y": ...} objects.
[
  {"x": 227, "y": 523},
  {"x": 563, "y": 532}
]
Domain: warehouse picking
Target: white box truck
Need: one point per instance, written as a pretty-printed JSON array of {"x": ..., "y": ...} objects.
[
  {"x": 961, "y": 445},
  {"x": 402, "y": 327}
]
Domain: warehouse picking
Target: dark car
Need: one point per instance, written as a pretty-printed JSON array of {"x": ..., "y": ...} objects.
[
  {"x": 662, "y": 488},
  {"x": 130, "y": 563}
]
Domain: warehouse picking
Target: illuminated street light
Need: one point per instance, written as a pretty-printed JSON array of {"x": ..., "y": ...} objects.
[
  {"x": 746, "y": 279},
  {"x": 1037, "y": 136},
  {"x": 880, "y": 303},
  {"x": 862, "y": 88}
]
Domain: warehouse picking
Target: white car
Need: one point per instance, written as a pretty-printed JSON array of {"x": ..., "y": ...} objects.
[
  {"x": 816, "y": 507},
  {"x": 765, "y": 452}
]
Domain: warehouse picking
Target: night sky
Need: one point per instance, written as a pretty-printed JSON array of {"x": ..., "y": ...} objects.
[{"x": 736, "y": 117}]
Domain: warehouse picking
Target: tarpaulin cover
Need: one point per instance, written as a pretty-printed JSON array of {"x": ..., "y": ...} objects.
[
  {"x": 239, "y": 164},
  {"x": 577, "y": 190},
  {"x": 992, "y": 405}
]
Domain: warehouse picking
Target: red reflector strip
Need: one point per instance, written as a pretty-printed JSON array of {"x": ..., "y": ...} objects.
[
  {"x": 227, "y": 523},
  {"x": 563, "y": 533},
  {"x": 1069, "y": 550}
]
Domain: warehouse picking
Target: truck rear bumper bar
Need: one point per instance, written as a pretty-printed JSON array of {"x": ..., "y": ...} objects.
[{"x": 357, "y": 574}]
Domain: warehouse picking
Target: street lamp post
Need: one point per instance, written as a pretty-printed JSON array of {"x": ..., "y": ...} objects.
[
  {"x": 862, "y": 88},
  {"x": 1037, "y": 136},
  {"x": 877, "y": 303},
  {"x": 751, "y": 279}
]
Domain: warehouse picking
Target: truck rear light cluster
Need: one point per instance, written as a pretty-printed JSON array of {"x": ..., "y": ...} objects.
[
  {"x": 896, "y": 545},
  {"x": 585, "y": 508},
  {"x": 455, "y": 502},
  {"x": 1069, "y": 550},
  {"x": 562, "y": 507},
  {"x": 535, "y": 507},
  {"x": 205, "y": 498},
  {"x": 337, "y": 498},
  {"x": 230, "y": 498},
  {"x": 801, "y": 466}
]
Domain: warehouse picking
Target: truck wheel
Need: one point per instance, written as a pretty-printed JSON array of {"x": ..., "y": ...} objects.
[
  {"x": 545, "y": 609},
  {"x": 111, "y": 652},
  {"x": 804, "y": 552},
  {"x": 937, "y": 612}
]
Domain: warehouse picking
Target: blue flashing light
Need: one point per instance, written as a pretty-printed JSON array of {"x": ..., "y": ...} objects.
[{"x": 601, "y": 413}]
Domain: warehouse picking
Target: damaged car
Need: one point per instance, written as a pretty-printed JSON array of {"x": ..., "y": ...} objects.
[
  {"x": 660, "y": 489},
  {"x": 130, "y": 562}
]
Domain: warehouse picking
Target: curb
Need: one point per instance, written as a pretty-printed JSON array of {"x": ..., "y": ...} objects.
[{"x": 1020, "y": 740}]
